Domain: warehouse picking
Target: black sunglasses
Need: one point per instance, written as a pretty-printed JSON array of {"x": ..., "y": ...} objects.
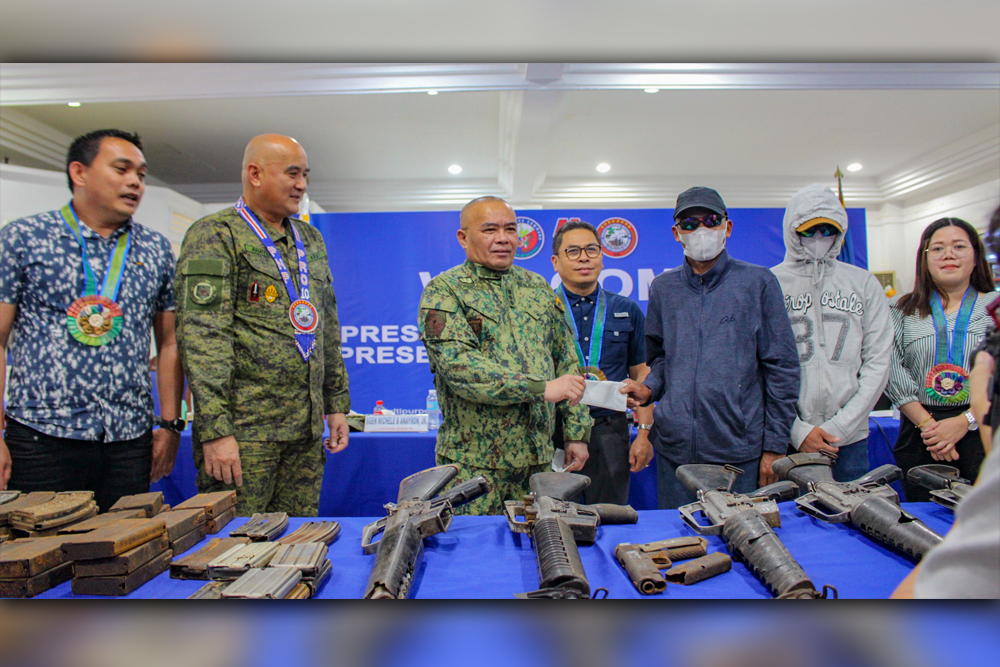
[{"x": 690, "y": 224}]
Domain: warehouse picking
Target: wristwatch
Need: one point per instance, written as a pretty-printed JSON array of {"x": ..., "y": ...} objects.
[
  {"x": 175, "y": 425},
  {"x": 973, "y": 424},
  {"x": 645, "y": 427}
]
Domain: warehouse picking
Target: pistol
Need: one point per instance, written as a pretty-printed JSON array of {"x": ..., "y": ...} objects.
[{"x": 643, "y": 562}]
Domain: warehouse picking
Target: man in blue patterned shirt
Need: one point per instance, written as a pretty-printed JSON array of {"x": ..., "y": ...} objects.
[{"x": 79, "y": 289}]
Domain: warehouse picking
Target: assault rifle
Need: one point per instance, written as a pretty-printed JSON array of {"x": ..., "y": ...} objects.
[
  {"x": 556, "y": 526},
  {"x": 419, "y": 512},
  {"x": 746, "y": 522},
  {"x": 947, "y": 488},
  {"x": 868, "y": 503}
]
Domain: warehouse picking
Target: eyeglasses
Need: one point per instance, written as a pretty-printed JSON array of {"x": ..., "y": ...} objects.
[
  {"x": 573, "y": 252},
  {"x": 959, "y": 250},
  {"x": 819, "y": 230},
  {"x": 690, "y": 224}
]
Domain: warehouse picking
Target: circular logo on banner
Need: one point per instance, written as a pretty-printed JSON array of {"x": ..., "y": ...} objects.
[
  {"x": 618, "y": 237},
  {"x": 532, "y": 238}
]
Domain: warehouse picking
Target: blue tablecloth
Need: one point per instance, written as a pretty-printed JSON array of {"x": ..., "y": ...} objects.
[{"x": 453, "y": 565}]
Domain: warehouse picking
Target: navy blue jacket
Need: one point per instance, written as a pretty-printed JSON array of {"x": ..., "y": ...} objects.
[{"x": 723, "y": 363}]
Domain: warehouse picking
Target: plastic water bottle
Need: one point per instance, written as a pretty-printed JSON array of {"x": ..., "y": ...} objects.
[
  {"x": 379, "y": 408},
  {"x": 433, "y": 411}
]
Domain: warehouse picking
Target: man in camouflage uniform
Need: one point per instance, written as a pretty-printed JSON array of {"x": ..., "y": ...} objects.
[
  {"x": 502, "y": 354},
  {"x": 258, "y": 425}
]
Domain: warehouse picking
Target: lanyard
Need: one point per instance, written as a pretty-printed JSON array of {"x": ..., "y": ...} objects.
[
  {"x": 596, "y": 329},
  {"x": 116, "y": 263},
  {"x": 955, "y": 352},
  {"x": 302, "y": 313}
]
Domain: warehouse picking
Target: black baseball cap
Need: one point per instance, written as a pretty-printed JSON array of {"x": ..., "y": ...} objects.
[{"x": 699, "y": 197}]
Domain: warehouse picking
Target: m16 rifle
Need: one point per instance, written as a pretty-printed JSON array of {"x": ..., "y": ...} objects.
[
  {"x": 418, "y": 513},
  {"x": 556, "y": 526},
  {"x": 947, "y": 487},
  {"x": 746, "y": 522},
  {"x": 868, "y": 503}
]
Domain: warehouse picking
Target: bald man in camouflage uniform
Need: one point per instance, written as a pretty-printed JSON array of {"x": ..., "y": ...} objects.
[
  {"x": 504, "y": 362},
  {"x": 259, "y": 406}
]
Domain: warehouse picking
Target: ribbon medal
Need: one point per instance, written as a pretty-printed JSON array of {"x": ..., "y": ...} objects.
[
  {"x": 947, "y": 381},
  {"x": 301, "y": 313},
  {"x": 95, "y": 318},
  {"x": 590, "y": 364}
]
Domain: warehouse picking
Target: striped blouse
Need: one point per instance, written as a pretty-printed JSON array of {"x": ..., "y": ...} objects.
[{"x": 913, "y": 348}]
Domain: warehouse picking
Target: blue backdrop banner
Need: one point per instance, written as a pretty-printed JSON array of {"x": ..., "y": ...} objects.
[{"x": 381, "y": 262}]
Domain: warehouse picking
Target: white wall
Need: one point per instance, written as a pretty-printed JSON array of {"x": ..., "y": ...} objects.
[{"x": 894, "y": 231}]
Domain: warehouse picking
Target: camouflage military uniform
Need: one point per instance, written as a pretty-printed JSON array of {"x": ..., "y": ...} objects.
[
  {"x": 238, "y": 348},
  {"x": 493, "y": 340}
]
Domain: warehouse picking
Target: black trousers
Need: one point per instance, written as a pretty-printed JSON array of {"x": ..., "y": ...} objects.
[
  {"x": 41, "y": 462},
  {"x": 910, "y": 452},
  {"x": 607, "y": 467}
]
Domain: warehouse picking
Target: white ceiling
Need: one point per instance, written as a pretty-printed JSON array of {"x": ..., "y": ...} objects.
[{"x": 531, "y": 132}]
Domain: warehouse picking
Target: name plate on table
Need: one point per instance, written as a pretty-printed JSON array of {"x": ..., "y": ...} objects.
[{"x": 395, "y": 423}]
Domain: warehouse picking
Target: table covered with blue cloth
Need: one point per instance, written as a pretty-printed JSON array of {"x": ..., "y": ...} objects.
[{"x": 479, "y": 557}]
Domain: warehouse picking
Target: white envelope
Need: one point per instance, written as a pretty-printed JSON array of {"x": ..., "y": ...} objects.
[{"x": 604, "y": 395}]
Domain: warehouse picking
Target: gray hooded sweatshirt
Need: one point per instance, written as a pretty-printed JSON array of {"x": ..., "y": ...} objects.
[{"x": 840, "y": 316}]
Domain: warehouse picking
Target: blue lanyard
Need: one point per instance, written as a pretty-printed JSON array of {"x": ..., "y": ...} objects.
[
  {"x": 954, "y": 353},
  {"x": 596, "y": 328},
  {"x": 116, "y": 262},
  {"x": 305, "y": 341}
]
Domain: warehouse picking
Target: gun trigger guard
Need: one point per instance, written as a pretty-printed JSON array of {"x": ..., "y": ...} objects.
[
  {"x": 370, "y": 531},
  {"x": 596, "y": 595}
]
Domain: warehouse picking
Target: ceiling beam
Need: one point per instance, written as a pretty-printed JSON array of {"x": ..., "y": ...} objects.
[
  {"x": 59, "y": 83},
  {"x": 539, "y": 114}
]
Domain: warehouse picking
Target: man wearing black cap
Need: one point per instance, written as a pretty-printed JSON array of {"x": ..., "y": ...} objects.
[{"x": 723, "y": 363}]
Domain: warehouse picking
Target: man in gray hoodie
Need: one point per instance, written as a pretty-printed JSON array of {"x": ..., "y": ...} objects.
[{"x": 840, "y": 316}]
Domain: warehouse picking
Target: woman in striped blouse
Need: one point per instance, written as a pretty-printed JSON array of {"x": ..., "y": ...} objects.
[{"x": 937, "y": 327}]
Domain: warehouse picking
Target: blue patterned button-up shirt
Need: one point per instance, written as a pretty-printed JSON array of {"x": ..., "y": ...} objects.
[{"x": 58, "y": 385}]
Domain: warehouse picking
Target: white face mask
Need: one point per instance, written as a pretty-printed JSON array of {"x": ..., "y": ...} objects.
[
  {"x": 818, "y": 246},
  {"x": 703, "y": 243}
]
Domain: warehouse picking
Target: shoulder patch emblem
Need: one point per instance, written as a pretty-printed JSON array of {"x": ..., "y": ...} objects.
[
  {"x": 204, "y": 293},
  {"x": 434, "y": 322}
]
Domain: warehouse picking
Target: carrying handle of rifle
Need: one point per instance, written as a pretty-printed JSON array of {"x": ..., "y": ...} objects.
[
  {"x": 369, "y": 533},
  {"x": 884, "y": 474}
]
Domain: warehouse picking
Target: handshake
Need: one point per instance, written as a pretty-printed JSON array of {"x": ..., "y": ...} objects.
[{"x": 571, "y": 387}]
